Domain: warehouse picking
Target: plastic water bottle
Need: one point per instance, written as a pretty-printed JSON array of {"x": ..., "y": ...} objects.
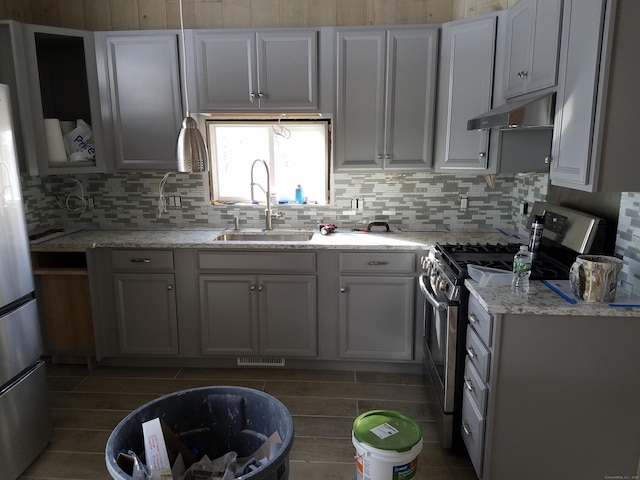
[
  {"x": 299, "y": 196},
  {"x": 522, "y": 269}
]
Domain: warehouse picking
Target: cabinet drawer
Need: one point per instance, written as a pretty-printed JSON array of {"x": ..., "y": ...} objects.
[
  {"x": 475, "y": 386},
  {"x": 480, "y": 320},
  {"x": 473, "y": 424},
  {"x": 383, "y": 262},
  {"x": 477, "y": 354},
  {"x": 142, "y": 260},
  {"x": 258, "y": 262}
]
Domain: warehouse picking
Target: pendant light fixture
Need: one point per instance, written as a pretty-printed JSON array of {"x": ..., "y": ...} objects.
[{"x": 191, "y": 151}]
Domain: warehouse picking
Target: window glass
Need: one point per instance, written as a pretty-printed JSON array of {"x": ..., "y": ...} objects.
[{"x": 297, "y": 153}]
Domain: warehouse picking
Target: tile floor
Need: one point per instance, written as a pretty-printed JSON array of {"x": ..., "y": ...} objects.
[{"x": 87, "y": 405}]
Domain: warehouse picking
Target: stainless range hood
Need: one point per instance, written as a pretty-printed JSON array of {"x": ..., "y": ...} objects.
[{"x": 535, "y": 112}]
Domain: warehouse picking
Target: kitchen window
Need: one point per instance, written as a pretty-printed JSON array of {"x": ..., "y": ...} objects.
[{"x": 297, "y": 152}]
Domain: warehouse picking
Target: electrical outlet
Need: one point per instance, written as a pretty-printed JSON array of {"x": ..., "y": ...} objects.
[{"x": 464, "y": 202}]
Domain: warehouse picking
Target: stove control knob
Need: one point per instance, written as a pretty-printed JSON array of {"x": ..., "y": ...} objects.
[{"x": 442, "y": 285}]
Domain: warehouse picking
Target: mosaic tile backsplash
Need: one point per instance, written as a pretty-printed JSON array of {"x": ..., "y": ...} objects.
[{"x": 407, "y": 201}]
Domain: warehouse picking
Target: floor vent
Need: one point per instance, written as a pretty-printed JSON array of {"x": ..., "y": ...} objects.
[{"x": 260, "y": 362}]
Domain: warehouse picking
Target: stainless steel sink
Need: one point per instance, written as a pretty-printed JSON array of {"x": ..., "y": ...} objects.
[{"x": 265, "y": 236}]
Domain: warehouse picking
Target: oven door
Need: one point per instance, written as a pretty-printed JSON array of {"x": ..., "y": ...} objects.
[{"x": 439, "y": 337}]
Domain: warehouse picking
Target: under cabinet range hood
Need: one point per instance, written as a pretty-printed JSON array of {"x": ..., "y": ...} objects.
[{"x": 535, "y": 112}]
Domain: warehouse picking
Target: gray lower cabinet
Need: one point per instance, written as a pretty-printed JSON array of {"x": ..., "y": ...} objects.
[
  {"x": 146, "y": 313},
  {"x": 548, "y": 396},
  {"x": 144, "y": 297},
  {"x": 258, "y": 315},
  {"x": 258, "y": 303},
  {"x": 377, "y": 305}
]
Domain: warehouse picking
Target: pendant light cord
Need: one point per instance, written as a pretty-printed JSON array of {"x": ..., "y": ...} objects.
[{"x": 184, "y": 63}]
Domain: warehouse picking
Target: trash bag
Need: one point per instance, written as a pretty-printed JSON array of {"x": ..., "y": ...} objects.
[{"x": 79, "y": 143}]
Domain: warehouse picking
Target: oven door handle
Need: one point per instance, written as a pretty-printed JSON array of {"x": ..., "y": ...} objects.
[{"x": 426, "y": 291}]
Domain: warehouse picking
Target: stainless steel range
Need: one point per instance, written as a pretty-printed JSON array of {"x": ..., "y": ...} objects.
[{"x": 567, "y": 233}]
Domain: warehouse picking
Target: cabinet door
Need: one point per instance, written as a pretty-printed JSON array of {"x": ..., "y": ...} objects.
[
  {"x": 287, "y": 306},
  {"x": 377, "y": 317},
  {"x": 519, "y": 37},
  {"x": 464, "y": 92},
  {"x": 225, "y": 66},
  {"x": 146, "y": 313},
  {"x": 532, "y": 38},
  {"x": 288, "y": 70},
  {"x": 63, "y": 85},
  {"x": 229, "y": 315},
  {"x": 545, "y": 42},
  {"x": 143, "y": 82},
  {"x": 576, "y": 101},
  {"x": 410, "y": 98},
  {"x": 360, "y": 99}
]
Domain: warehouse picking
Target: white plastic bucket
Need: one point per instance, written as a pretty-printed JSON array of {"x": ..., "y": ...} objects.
[{"x": 387, "y": 446}]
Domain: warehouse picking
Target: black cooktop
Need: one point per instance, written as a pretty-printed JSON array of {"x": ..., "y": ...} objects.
[{"x": 500, "y": 256}]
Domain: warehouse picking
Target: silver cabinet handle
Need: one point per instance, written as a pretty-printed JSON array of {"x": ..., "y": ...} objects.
[
  {"x": 547, "y": 160},
  {"x": 169, "y": 287},
  {"x": 252, "y": 97},
  {"x": 140, "y": 260},
  {"x": 343, "y": 290},
  {"x": 387, "y": 156},
  {"x": 471, "y": 353},
  {"x": 473, "y": 320},
  {"x": 482, "y": 154},
  {"x": 466, "y": 429},
  {"x": 260, "y": 288},
  {"x": 260, "y": 94},
  {"x": 468, "y": 384},
  {"x": 253, "y": 287},
  {"x": 380, "y": 156},
  {"x": 376, "y": 264}
]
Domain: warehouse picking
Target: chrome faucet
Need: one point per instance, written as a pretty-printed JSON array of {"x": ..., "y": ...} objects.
[{"x": 267, "y": 211}]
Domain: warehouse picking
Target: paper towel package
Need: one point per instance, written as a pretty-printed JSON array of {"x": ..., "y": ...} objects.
[{"x": 55, "y": 143}]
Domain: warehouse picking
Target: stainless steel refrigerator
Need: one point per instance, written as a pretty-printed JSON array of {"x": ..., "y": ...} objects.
[{"x": 25, "y": 415}]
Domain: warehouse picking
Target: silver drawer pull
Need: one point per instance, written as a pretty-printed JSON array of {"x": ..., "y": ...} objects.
[
  {"x": 140, "y": 260},
  {"x": 468, "y": 384},
  {"x": 466, "y": 429},
  {"x": 375, "y": 264},
  {"x": 473, "y": 320},
  {"x": 471, "y": 353}
]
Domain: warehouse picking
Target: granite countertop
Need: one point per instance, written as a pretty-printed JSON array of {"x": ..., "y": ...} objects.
[
  {"x": 541, "y": 300},
  {"x": 81, "y": 240}
]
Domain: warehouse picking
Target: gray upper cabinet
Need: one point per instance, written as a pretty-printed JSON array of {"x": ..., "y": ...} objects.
[
  {"x": 248, "y": 71},
  {"x": 385, "y": 108},
  {"x": 465, "y": 90},
  {"x": 533, "y": 32},
  {"x": 140, "y": 81},
  {"x": 597, "y": 97},
  {"x": 62, "y": 84}
]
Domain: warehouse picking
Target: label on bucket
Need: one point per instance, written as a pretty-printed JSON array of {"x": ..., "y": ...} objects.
[
  {"x": 384, "y": 431},
  {"x": 405, "y": 472},
  {"x": 365, "y": 470}
]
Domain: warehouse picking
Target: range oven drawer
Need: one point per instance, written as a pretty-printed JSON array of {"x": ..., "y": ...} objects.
[{"x": 477, "y": 354}]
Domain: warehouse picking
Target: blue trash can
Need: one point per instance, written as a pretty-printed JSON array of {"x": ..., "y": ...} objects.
[{"x": 211, "y": 421}]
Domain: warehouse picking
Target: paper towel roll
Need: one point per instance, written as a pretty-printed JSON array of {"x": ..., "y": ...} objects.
[
  {"x": 66, "y": 126},
  {"x": 55, "y": 144}
]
